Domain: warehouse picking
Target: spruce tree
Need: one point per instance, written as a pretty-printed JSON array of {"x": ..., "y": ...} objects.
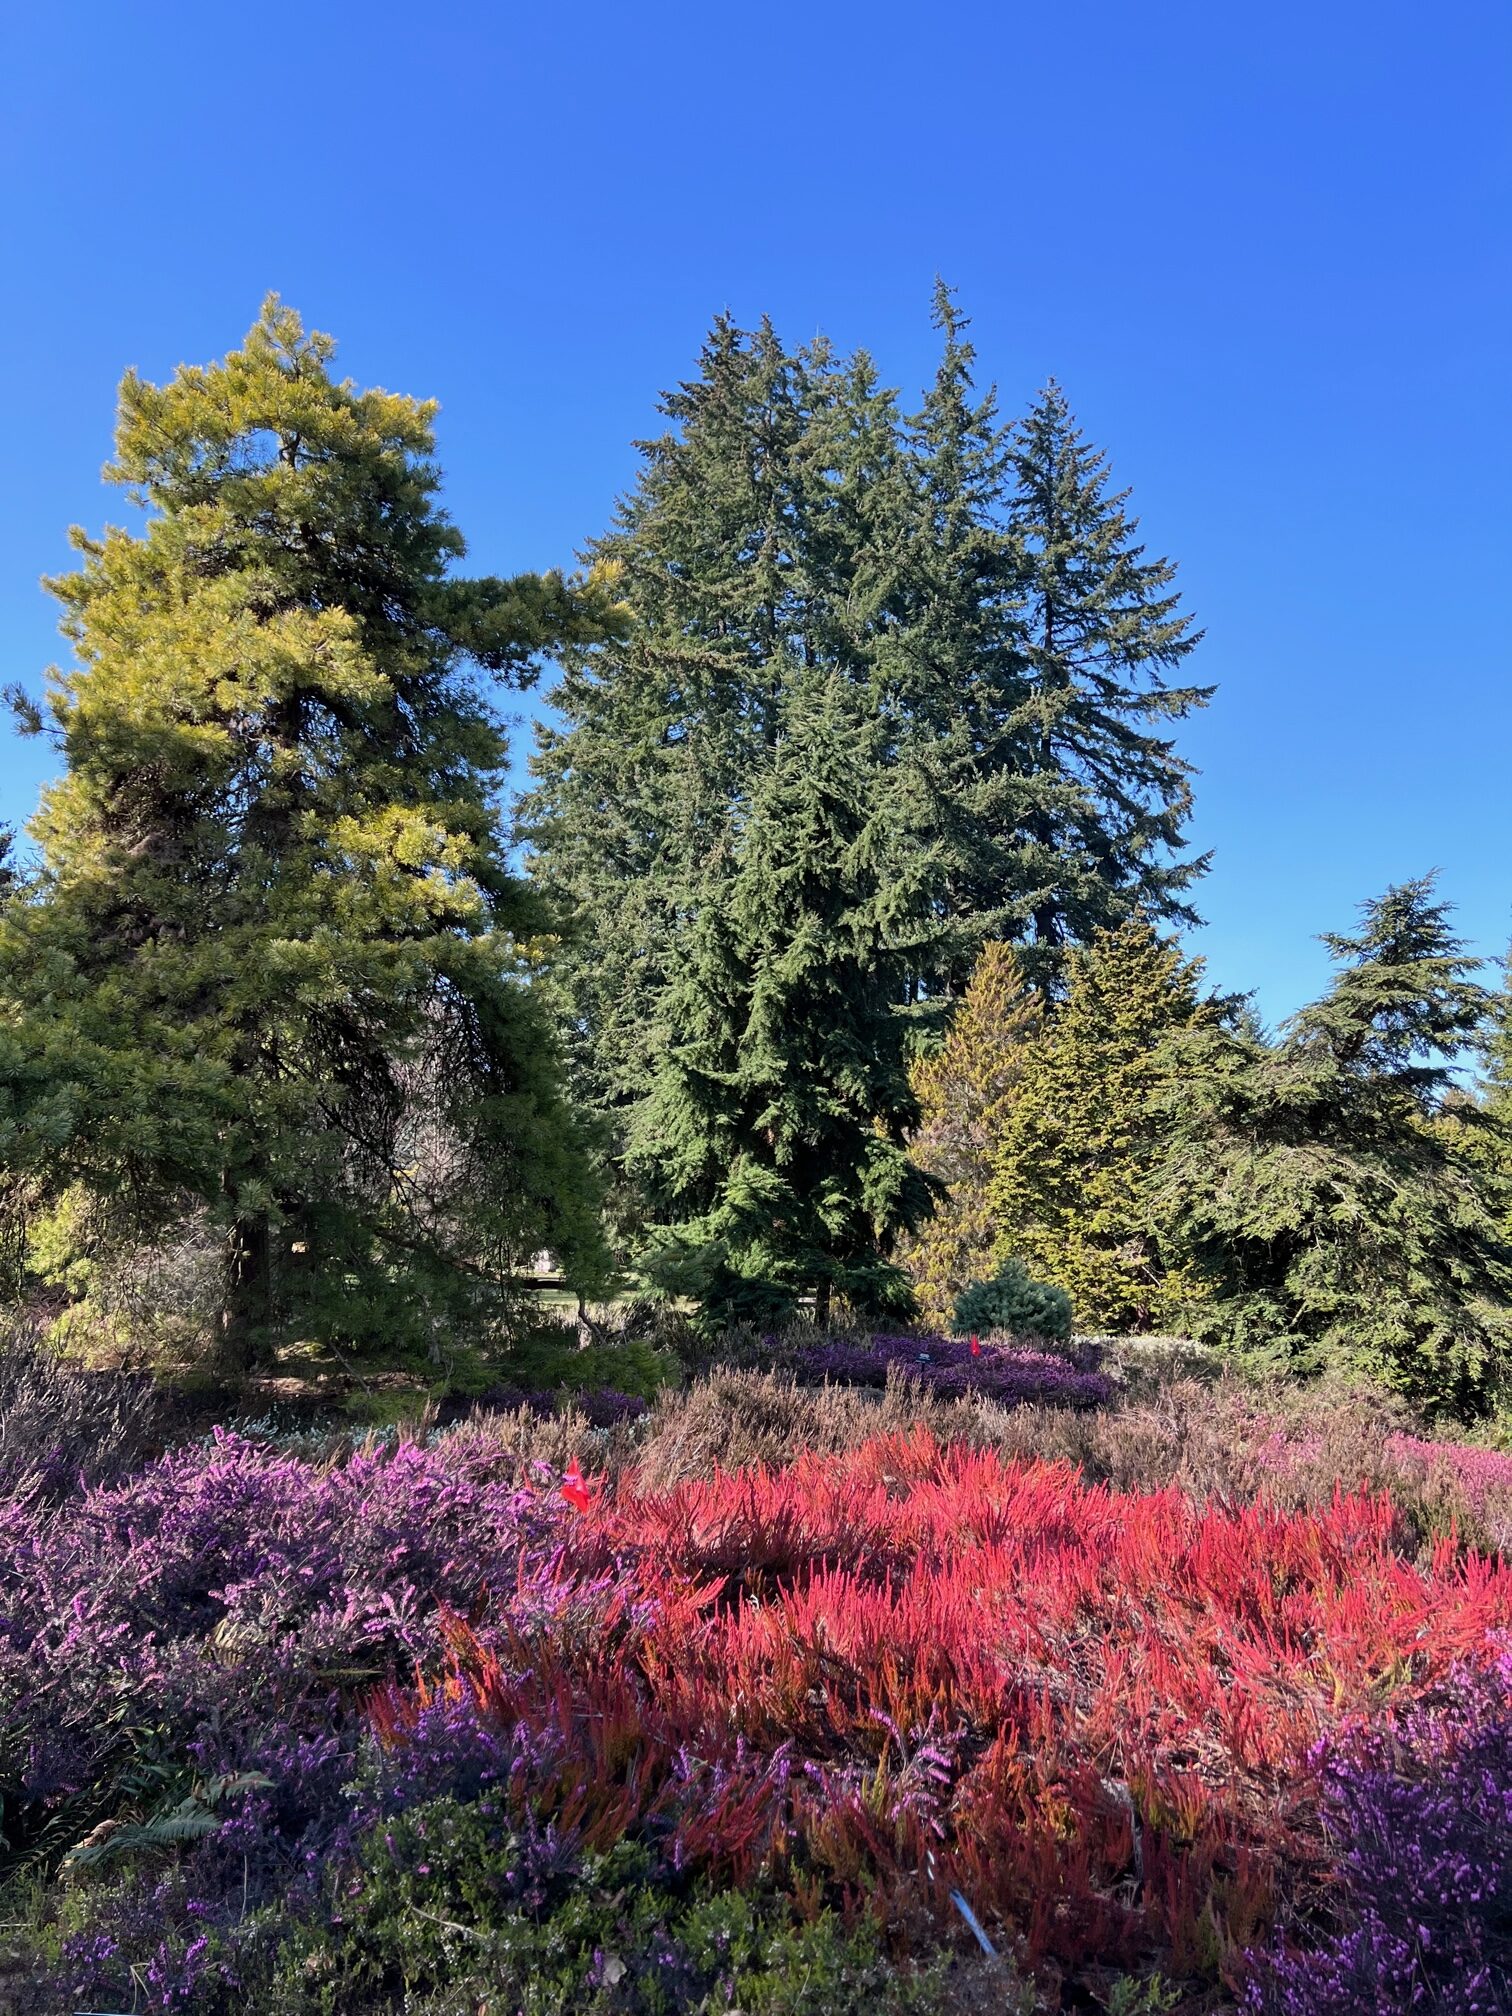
[
  {"x": 774, "y": 1136},
  {"x": 270, "y": 969},
  {"x": 1102, "y": 628},
  {"x": 1329, "y": 1187},
  {"x": 1071, "y": 1167},
  {"x": 965, "y": 1089}
]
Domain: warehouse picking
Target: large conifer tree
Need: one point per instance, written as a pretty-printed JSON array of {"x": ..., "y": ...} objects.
[
  {"x": 774, "y": 1136},
  {"x": 1101, "y": 628},
  {"x": 952, "y": 665},
  {"x": 270, "y": 970},
  {"x": 665, "y": 727},
  {"x": 977, "y": 590}
]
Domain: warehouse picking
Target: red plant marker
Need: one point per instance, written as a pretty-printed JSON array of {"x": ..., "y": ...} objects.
[
  {"x": 976, "y": 1349},
  {"x": 575, "y": 1491}
]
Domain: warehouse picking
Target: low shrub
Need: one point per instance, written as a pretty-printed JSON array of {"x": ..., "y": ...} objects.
[
  {"x": 229, "y": 1585},
  {"x": 1011, "y": 1302},
  {"x": 378, "y": 1727},
  {"x": 955, "y": 1368},
  {"x": 451, "y": 1904},
  {"x": 911, "y": 1668},
  {"x": 61, "y": 1425},
  {"x": 1419, "y": 1818}
]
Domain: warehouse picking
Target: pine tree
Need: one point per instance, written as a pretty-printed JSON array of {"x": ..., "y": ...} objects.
[
  {"x": 1102, "y": 627},
  {"x": 774, "y": 1136},
  {"x": 1329, "y": 1188},
  {"x": 1071, "y": 1167},
  {"x": 965, "y": 1089},
  {"x": 270, "y": 970}
]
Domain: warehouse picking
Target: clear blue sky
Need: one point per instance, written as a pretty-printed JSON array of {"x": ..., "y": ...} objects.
[{"x": 1268, "y": 251}]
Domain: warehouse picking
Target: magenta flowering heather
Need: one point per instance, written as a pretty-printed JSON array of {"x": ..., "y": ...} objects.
[
  {"x": 949, "y": 1367},
  {"x": 1419, "y": 1816}
]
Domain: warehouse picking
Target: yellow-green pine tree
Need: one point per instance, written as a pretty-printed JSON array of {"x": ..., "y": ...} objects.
[
  {"x": 964, "y": 1090},
  {"x": 1081, "y": 1133},
  {"x": 270, "y": 970}
]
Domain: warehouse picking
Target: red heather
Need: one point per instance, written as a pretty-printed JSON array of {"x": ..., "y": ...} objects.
[{"x": 1096, "y": 1714}]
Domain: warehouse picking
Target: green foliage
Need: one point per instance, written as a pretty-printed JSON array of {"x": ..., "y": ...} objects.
[
  {"x": 1101, "y": 628},
  {"x": 1071, "y": 1166},
  {"x": 549, "y": 1355},
  {"x": 198, "y": 1814},
  {"x": 964, "y": 1089},
  {"x": 436, "y": 1916},
  {"x": 1147, "y": 1995},
  {"x": 1331, "y": 1189},
  {"x": 773, "y": 1136},
  {"x": 1011, "y": 1301},
  {"x": 269, "y": 975}
]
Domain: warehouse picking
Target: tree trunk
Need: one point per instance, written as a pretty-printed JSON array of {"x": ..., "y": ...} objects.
[
  {"x": 821, "y": 1304},
  {"x": 246, "y": 1319}
]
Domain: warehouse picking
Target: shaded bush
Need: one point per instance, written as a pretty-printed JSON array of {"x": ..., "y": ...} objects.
[
  {"x": 1011, "y": 1302},
  {"x": 552, "y": 1357},
  {"x": 60, "y": 1425}
]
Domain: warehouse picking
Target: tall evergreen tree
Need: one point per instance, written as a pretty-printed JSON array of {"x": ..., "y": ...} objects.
[
  {"x": 666, "y": 727},
  {"x": 774, "y": 1136},
  {"x": 976, "y": 589},
  {"x": 1082, "y": 1133},
  {"x": 952, "y": 666},
  {"x": 270, "y": 969},
  {"x": 965, "y": 1090},
  {"x": 1102, "y": 628},
  {"x": 1313, "y": 1183}
]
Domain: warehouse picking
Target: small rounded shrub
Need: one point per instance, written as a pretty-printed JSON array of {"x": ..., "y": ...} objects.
[{"x": 1011, "y": 1301}]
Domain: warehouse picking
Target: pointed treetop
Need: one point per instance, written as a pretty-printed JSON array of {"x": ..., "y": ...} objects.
[{"x": 1403, "y": 1000}]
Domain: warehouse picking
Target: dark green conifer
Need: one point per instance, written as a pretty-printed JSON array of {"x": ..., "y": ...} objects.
[
  {"x": 774, "y": 1135},
  {"x": 1101, "y": 629},
  {"x": 1328, "y": 1188},
  {"x": 952, "y": 663},
  {"x": 664, "y": 728}
]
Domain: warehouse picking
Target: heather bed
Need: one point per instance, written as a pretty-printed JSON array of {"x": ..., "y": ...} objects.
[{"x": 330, "y": 1731}]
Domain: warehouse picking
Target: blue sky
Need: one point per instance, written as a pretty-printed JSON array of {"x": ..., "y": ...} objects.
[{"x": 1266, "y": 250}]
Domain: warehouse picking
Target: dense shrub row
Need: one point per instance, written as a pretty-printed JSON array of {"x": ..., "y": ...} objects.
[{"x": 1013, "y": 1373}]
